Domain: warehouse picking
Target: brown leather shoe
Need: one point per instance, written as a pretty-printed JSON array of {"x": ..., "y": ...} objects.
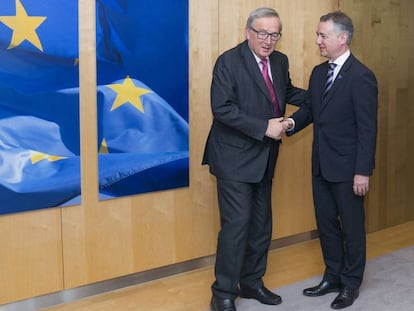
[
  {"x": 323, "y": 288},
  {"x": 345, "y": 298}
]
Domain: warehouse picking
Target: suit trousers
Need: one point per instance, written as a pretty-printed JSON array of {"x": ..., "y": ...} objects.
[
  {"x": 340, "y": 218},
  {"x": 245, "y": 235}
]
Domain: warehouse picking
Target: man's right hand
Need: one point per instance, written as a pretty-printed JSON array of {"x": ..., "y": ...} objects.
[{"x": 275, "y": 128}]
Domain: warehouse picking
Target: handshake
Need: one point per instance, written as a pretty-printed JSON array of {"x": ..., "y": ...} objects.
[{"x": 277, "y": 127}]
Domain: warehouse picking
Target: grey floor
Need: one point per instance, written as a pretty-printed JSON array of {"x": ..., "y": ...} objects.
[{"x": 388, "y": 285}]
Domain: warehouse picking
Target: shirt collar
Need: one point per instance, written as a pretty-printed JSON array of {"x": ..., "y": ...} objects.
[
  {"x": 342, "y": 59},
  {"x": 257, "y": 58}
]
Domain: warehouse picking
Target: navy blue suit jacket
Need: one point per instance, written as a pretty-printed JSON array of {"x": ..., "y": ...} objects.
[
  {"x": 344, "y": 122},
  {"x": 236, "y": 148}
]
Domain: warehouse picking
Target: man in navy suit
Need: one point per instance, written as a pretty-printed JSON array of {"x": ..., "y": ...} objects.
[
  {"x": 344, "y": 116},
  {"x": 241, "y": 151}
]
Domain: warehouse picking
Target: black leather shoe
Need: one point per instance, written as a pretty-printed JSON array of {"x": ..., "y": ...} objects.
[
  {"x": 323, "y": 288},
  {"x": 262, "y": 294},
  {"x": 345, "y": 298},
  {"x": 218, "y": 304}
]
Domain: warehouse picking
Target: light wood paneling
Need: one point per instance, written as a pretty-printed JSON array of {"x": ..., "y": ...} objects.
[
  {"x": 119, "y": 237},
  {"x": 45, "y": 251},
  {"x": 31, "y": 254},
  {"x": 170, "y": 226},
  {"x": 384, "y": 41},
  {"x": 195, "y": 209},
  {"x": 191, "y": 291},
  {"x": 292, "y": 197}
]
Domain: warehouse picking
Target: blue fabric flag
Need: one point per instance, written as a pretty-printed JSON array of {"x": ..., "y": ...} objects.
[
  {"x": 123, "y": 174},
  {"x": 147, "y": 40},
  {"x": 143, "y": 132},
  {"x": 36, "y": 168},
  {"x": 40, "y": 27},
  {"x": 39, "y": 104},
  {"x": 144, "y": 142},
  {"x": 132, "y": 118},
  {"x": 59, "y": 106},
  {"x": 38, "y": 44},
  {"x": 142, "y": 96}
]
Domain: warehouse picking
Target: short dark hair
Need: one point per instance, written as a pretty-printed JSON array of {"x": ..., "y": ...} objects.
[{"x": 342, "y": 23}]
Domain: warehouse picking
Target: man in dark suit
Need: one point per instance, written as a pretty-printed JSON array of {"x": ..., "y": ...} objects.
[
  {"x": 241, "y": 151},
  {"x": 342, "y": 104}
]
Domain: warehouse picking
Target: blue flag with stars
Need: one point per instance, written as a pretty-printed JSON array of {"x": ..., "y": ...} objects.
[
  {"x": 37, "y": 169},
  {"x": 142, "y": 96},
  {"x": 39, "y": 104}
]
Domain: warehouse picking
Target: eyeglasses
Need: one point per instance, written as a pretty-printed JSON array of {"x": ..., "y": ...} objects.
[{"x": 263, "y": 35}]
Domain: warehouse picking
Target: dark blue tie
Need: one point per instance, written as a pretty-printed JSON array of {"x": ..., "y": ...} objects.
[{"x": 329, "y": 78}]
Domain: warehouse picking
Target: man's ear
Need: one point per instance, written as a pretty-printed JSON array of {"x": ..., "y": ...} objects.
[
  {"x": 344, "y": 37},
  {"x": 247, "y": 33}
]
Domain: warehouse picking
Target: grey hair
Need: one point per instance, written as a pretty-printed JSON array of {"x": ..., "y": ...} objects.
[
  {"x": 342, "y": 23},
  {"x": 262, "y": 12}
]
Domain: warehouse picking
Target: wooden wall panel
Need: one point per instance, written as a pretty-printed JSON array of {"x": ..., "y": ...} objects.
[
  {"x": 195, "y": 210},
  {"x": 292, "y": 195},
  {"x": 292, "y": 198},
  {"x": 384, "y": 40},
  {"x": 131, "y": 234},
  {"x": 95, "y": 241},
  {"x": 31, "y": 254}
]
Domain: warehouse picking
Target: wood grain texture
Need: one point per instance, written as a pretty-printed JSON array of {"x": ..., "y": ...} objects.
[
  {"x": 31, "y": 254},
  {"x": 191, "y": 291},
  {"x": 384, "y": 36},
  {"x": 96, "y": 240}
]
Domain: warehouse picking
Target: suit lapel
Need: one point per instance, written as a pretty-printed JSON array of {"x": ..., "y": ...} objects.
[
  {"x": 276, "y": 82},
  {"x": 320, "y": 78},
  {"x": 254, "y": 69},
  {"x": 342, "y": 74}
]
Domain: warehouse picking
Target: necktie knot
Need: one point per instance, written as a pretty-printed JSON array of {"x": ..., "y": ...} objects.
[
  {"x": 265, "y": 70},
  {"x": 332, "y": 66}
]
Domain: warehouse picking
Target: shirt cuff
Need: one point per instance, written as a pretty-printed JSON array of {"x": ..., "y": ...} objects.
[{"x": 293, "y": 126}]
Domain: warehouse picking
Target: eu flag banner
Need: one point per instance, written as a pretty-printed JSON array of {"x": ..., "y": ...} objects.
[
  {"x": 139, "y": 132},
  {"x": 147, "y": 40},
  {"x": 39, "y": 104},
  {"x": 38, "y": 44},
  {"x": 142, "y": 95},
  {"x": 31, "y": 73},
  {"x": 44, "y": 27},
  {"x": 58, "y": 106},
  {"x": 36, "y": 167},
  {"x": 132, "y": 118},
  {"x": 123, "y": 174}
]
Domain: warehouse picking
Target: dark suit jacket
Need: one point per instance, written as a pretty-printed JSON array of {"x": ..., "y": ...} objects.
[
  {"x": 344, "y": 122},
  {"x": 237, "y": 148}
]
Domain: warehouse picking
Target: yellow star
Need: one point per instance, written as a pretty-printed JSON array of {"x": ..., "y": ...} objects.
[
  {"x": 37, "y": 156},
  {"x": 128, "y": 92},
  {"x": 104, "y": 147},
  {"x": 23, "y": 26}
]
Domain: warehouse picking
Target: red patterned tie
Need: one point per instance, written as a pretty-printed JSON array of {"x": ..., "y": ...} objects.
[{"x": 270, "y": 87}]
